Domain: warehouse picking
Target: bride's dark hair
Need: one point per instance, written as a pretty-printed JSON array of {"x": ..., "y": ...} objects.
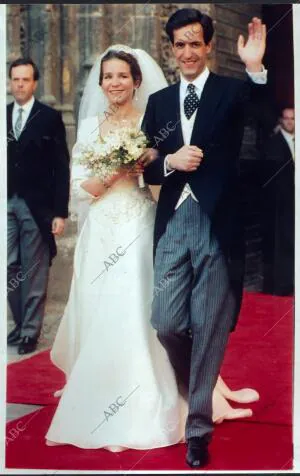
[{"x": 135, "y": 69}]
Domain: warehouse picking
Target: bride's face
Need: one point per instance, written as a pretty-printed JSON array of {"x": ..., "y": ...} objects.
[{"x": 117, "y": 84}]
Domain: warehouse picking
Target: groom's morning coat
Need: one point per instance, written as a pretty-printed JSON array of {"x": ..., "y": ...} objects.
[{"x": 218, "y": 131}]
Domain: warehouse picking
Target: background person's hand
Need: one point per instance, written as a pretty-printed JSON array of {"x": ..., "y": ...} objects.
[{"x": 58, "y": 226}]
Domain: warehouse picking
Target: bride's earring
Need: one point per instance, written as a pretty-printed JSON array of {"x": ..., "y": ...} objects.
[{"x": 135, "y": 94}]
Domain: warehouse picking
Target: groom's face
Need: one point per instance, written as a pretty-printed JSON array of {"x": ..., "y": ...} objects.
[{"x": 190, "y": 50}]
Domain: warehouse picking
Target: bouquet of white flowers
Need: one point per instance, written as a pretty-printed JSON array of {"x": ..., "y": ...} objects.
[{"x": 121, "y": 147}]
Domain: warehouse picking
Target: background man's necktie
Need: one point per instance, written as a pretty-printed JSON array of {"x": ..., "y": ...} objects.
[
  {"x": 18, "y": 124},
  {"x": 191, "y": 101}
]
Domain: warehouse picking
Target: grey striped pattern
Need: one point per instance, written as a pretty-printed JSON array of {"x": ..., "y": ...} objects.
[
  {"x": 193, "y": 313},
  {"x": 27, "y": 268}
]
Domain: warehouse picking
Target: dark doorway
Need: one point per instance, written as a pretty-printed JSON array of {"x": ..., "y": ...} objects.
[{"x": 279, "y": 58}]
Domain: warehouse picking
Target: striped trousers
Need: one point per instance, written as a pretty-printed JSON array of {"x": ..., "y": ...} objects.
[
  {"x": 193, "y": 311},
  {"x": 27, "y": 268}
]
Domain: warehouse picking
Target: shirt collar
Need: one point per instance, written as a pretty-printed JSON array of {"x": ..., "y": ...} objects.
[
  {"x": 286, "y": 134},
  {"x": 199, "y": 82},
  {"x": 26, "y": 107}
]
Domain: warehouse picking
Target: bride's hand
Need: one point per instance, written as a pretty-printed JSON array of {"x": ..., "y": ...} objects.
[
  {"x": 148, "y": 156},
  {"x": 134, "y": 170},
  {"x": 97, "y": 187},
  {"x": 92, "y": 185}
]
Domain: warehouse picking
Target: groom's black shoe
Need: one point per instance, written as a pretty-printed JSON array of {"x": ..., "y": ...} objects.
[
  {"x": 13, "y": 337},
  {"x": 27, "y": 345},
  {"x": 197, "y": 452}
]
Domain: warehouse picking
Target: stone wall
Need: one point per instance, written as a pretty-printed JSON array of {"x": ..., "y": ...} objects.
[{"x": 64, "y": 40}]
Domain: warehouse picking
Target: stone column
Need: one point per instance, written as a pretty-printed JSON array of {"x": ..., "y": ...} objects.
[
  {"x": 83, "y": 28},
  {"x": 93, "y": 38},
  {"x": 13, "y": 32},
  {"x": 146, "y": 29},
  {"x": 34, "y": 41},
  {"x": 99, "y": 27},
  {"x": 12, "y": 39},
  {"x": 69, "y": 59},
  {"x": 121, "y": 24},
  {"x": 51, "y": 64}
]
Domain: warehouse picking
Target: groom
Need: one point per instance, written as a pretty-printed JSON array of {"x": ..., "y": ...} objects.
[{"x": 198, "y": 244}]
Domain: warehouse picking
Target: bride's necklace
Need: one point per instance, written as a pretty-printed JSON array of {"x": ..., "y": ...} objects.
[{"x": 121, "y": 122}]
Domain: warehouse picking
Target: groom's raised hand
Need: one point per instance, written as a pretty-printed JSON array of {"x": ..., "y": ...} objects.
[{"x": 252, "y": 52}]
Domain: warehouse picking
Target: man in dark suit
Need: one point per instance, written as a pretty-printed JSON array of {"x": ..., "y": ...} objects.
[
  {"x": 38, "y": 195},
  {"x": 278, "y": 218},
  {"x": 197, "y": 127}
]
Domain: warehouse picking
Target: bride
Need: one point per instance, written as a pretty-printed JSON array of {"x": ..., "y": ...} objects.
[{"x": 121, "y": 391}]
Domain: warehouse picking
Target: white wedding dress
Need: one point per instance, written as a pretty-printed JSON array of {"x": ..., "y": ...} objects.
[{"x": 121, "y": 390}]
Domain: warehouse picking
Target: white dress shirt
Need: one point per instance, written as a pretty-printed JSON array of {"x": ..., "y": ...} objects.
[
  {"x": 290, "y": 138},
  {"x": 25, "y": 114},
  {"x": 187, "y": 125}
]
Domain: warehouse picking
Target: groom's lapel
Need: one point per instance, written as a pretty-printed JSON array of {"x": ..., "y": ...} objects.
[
  {"x": 209, "y": 102},
  {"x": 174, "y": 113}
]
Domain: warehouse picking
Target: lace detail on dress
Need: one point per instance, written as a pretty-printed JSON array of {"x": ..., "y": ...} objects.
[{"x": 121, "y": 205}]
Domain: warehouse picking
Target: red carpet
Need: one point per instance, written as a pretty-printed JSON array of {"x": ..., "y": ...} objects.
[
  {"x": 236, "y": 446},
  {"x": 34, "y": 380},
  {"x": 259, "y": 355}
]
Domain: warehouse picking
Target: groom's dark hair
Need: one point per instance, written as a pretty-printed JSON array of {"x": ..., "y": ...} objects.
[{"x": 188, "y": 16}]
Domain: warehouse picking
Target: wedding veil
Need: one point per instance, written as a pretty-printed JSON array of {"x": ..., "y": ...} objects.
[{"x": 95, "y": 103}]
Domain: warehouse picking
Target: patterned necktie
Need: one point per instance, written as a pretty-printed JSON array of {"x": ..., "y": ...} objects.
[
  {"x": 191, "y": 101},
  {"x": 18, "y": 124}
]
